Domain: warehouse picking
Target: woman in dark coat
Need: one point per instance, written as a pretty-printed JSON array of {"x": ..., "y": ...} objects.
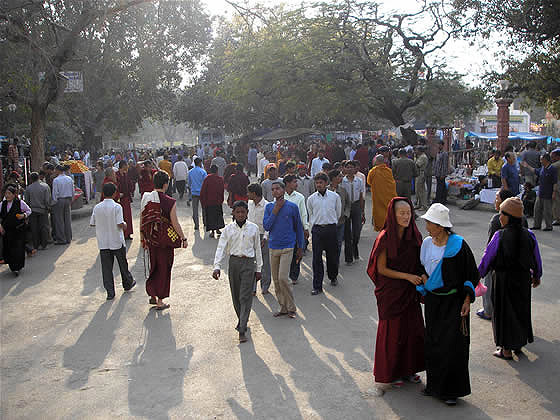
[
  {"x": 450, "y": 279},
  {"x": 394, "y": 267},
  {"x": 513, "y": 254},
  {"x": 13, "y": 213}
]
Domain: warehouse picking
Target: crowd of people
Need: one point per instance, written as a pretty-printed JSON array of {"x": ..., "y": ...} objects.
[{"x": 296, "y": 194}]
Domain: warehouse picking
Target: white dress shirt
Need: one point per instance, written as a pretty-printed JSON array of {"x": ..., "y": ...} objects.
[
  {"x": 63, "y": 187},
  {"x": 180, "y": 170},
  {"x": 106, "y": 217},
  {"x": 360, "y": 175},
  {"x": 256, "y": 215},
  {"x": 239, "y": 241},
  {"x": 299, "y": 200},
  {"x": 317, "y": 165},
  {"x": 324, "y": 209},
  {"x": 354, "y": 188},
  {"x": 261, "y": 165}
]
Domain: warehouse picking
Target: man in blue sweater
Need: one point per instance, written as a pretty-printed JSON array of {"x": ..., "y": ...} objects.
[
  {"x": 196, "y": 178},
  {"x": 283, "y": 222}
]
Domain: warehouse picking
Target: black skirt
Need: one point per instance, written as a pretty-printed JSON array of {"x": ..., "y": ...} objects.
[
  {"x": 511, "y": 297},
  {"x": 14, "y": 249},
  {"x": 447, "y": 348},
  {"x": 213, "y": 217}
]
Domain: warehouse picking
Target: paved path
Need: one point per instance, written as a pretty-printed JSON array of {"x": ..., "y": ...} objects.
[{"x": 66, "y": 353}]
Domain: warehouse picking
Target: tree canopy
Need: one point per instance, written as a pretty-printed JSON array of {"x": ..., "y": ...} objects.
[
  {"x": 337, "y": 65},
  {"x": 132, "y": 54},
  {"x": 531, "y": 53}
]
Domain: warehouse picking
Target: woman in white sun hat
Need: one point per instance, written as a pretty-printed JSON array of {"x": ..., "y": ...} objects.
[{"x": 450, "y": 278}]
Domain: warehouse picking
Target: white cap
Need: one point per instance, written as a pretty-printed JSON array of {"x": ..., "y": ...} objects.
[{"x": 438, "y": 214}]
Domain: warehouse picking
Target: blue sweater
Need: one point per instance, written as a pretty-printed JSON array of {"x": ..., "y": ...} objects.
[
  {"x": 196, "y": 177},
  {"x": 285, "y": 228}
]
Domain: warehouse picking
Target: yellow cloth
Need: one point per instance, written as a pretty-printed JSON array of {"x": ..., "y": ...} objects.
[
  {"x": 383, "y": 189},
  {"x": 495, "y": 166},
  {"x": 166, "y": 166}
]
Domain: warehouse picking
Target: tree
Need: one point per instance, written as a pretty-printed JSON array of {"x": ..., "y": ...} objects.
[
  {"x": 334, "y": 66},
  {"x": 531, "y": 52},
  {"x": 132, "y": 47}
]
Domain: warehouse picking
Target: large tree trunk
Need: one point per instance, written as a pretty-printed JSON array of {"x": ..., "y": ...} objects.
[
  {"x": 38, "y": 125},
  {"x": 409, "y": 135}
]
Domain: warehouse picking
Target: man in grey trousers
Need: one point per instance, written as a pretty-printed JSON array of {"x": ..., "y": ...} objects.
[
  {"x": 62, "y": 194},
  {"x": 38, "y": 196}
]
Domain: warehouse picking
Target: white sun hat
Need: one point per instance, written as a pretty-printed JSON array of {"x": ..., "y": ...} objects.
[{"x": 438, "y": 214}]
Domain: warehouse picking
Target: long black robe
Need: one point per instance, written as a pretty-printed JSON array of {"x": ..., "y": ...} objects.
[
  {"x": 513, "y": 254},
  {"x": 13, "y": 238},
  {"x": 447, "y": 348}
]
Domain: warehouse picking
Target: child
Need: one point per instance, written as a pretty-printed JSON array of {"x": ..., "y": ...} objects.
[
  {"x": 107, "y": 217},
  {"x": 529, "y": 197},
  {"x": 241, "y": 240}
]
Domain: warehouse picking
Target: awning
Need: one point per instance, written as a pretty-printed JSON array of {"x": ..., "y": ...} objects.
[
  {"x": 512, "y": 136},
  {"x": 286, "y": 133}
]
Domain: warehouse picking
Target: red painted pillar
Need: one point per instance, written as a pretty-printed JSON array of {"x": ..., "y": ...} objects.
[
  {"x": 447, "y": 137},
  {"x": 503, "y": 122},
  {"x": 431, "y": 141}
]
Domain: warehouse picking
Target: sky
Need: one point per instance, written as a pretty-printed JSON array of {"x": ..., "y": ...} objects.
[{"x": 470, "y": 61}]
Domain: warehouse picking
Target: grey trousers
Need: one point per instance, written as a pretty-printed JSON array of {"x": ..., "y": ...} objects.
[
  {"x": 556, "y": 206},
  {"x": 421, "y": 195},
  {"x": 241, "y": 273},
  {"x": 62, "y": 221},
  {"x": 543, "y": 210},
  {"x": 39, "y": 224},
  {"x": 195, "y": 201},
  {"x": 487, "y": 297},
  {"x": 265, "y": 271},
  {"x": 404, "y": 189},
  {"x": 107, "y": 257}
]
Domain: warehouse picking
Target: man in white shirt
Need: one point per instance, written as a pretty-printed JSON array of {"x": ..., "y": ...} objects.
[
  {"x": 290, "y": 181},
  {"x": 267, "y": 183},
  {"x": 241, "y": 240},
  {"x": 107, "y": 217},
  {"x": 305, "y": 185},
  {"x": 355, "y": 188},
  {"x": 261, "y": 165},
  {"x": 257, "y": 205},
  {"x": 181, "y": 174},
  {"x": 318, "y": 162},
  {"x": 62, "y": 194},
  {"x": 324, "y": 208}
]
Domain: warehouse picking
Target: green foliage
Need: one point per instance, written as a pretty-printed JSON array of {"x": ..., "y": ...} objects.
[
  {"x": 531, "y": 56},
  {"x": 333, "y": 66}
]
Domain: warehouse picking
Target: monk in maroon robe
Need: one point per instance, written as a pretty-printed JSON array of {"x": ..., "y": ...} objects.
[
  {"x": 211, "y": 199},
  {"x": 237, "y": 186},
  {"x": 394, "y": 267},
  {"x": 146, "y": 178},
  {"x": 125, "y": 196}
]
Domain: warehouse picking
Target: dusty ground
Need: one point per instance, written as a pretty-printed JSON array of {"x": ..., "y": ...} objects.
[{"x": 67, "y": 353}]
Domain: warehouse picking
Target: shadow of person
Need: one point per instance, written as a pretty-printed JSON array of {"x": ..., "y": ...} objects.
[
  {"x": 93, "y": 279},
  {"x": 204, "y": 249},
  {"x": 310, "y": 373},
  {"x": 157, "y": 369},
  {"x": 94, "y": 344},
  {"x": 531, "y": 372},
  {"x": 269, "y": 393},
  {"x": 36, "y": 270}
]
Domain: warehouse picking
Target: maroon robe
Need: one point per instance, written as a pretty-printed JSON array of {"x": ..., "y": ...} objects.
[
  {"x": 211, "y": 199},
  {"x": 399, "y": 347},
  {"x": 237, "y": 188},
  {"x": 158, "y": 282},
  {"x": 125, "y": 193}
]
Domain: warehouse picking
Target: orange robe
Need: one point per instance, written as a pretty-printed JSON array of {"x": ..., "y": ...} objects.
[{"x": 383, "y": 189}]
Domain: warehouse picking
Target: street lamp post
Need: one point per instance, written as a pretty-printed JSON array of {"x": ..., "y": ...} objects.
[{"x": 503, "y": 101}]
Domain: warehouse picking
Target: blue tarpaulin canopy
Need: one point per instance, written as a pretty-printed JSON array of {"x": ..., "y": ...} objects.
[{"x": 512, "y": 136}]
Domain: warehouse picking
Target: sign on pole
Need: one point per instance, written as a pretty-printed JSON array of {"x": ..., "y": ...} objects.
[{"x": 74, "y": 81}]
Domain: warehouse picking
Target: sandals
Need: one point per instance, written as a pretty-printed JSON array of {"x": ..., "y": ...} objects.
[
  {"x": 397, "y": 384},
  {"x": 152, "y": 301},
  {"x": 291, "y": 314},
  {"x": 278, "y": 314},
  {"x": 500, "y": 355},
  {"x": 162, "y": 307}
]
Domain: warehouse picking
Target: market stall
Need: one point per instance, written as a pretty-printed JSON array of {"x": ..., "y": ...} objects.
[{"x": 83, "y": 178}]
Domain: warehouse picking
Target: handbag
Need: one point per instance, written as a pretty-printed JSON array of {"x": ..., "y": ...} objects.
[
  {"x": 480, "y": 289},
  {"x": 156, "y": 229}
]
